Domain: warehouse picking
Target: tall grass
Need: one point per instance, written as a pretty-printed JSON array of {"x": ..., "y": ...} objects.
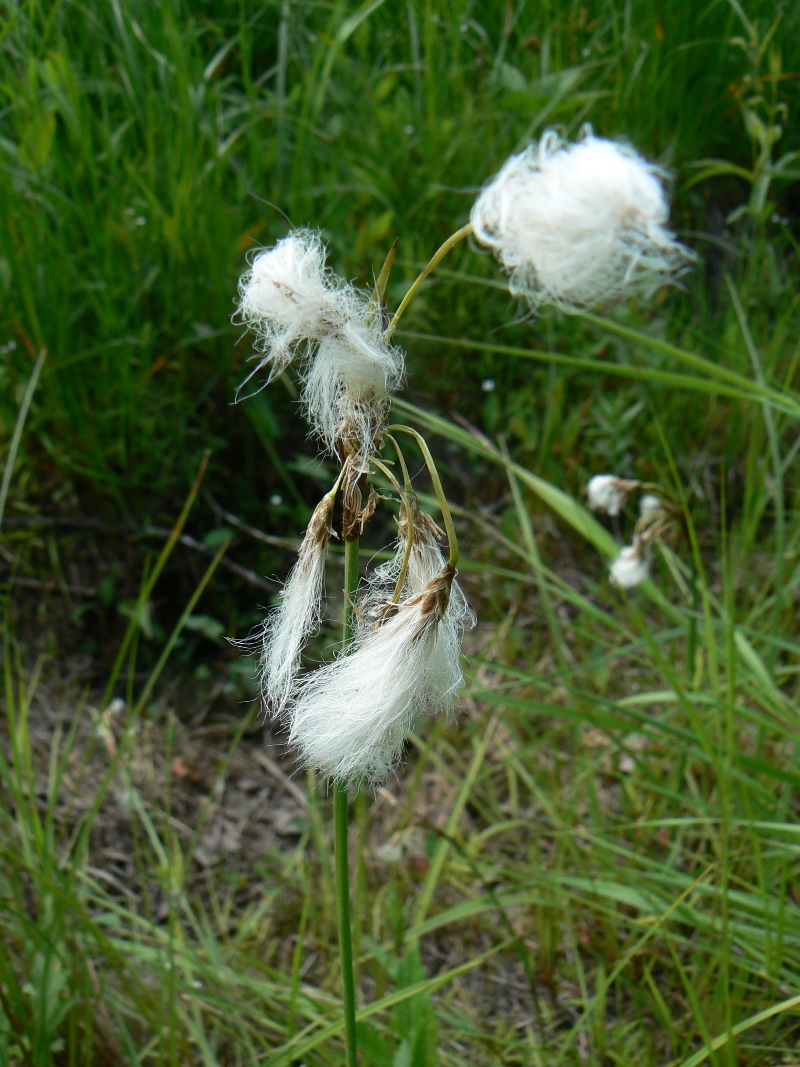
[
  {"x": 598, "y": 863},
  {"x": 146, "y": 149}
]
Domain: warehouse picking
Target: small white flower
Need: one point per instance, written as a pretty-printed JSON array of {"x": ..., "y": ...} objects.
[
  {"x": 577, "y": 224},
  {"x": 487, "y": 385},
  {"x": 607, "y": 493},
  {"x": 631, "y": 566},
  {"x": 298, "y": 613},
  {"x": 649, "y": 505}
]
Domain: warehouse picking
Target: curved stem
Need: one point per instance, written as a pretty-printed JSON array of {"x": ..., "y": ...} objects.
[
  {"x": 402, "y": 459},
  {"x": 405, "y": 497},
  {"x": 340, "y": 837},
  {"x": 382, "y": 467},
  {"x": 431, "y": 265},
  {"x": 452, "y": 540}
]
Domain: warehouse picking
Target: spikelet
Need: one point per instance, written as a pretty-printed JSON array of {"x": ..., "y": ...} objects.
[
  {"x": 631, "y": 566},
  {"x": 301, "y": 312},
  {"x": 576, "y": 225},
  {"x": 298, "y": 613},
  {"x": 649, "y": 506},
  {"x": 351, "y": 717},
  {"x": 350, "y": 381},
  {"x": 287, "y": 298},
  {"x": 608, "y": 494}
]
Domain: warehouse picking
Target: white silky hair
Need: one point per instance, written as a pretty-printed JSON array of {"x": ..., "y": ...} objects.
[
  {"x": 631, "y": 566},
  {"x": 443, "y": 676},
  {"x": 577, "y": 225},
  {"x": 297, "y": 615},
  {"x": 425, "y": 561},
  {"x": 299, "y": 310},
  {"x": 605, "y": 493},
  {"x": 288, "y": 297},
  {"x": 351, "y": 717},
  {"x": 347, "y": 385}
]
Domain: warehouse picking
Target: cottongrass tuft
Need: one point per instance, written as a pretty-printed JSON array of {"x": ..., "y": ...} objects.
[
  {"x": 348, "y": 384},
  {"x": 443, "y": 677},
  {"x": 351, "y": 717},
  {"x": 299, "y": 311},
  {"x": 577, "y": 225},
  {"x": 298, "y": 614},
  {"x": 287, "y": 298},
  {"x": 649, "y": 506},
  {"x": 631, "y": 566},
  {"x": 607, "y": 493}
]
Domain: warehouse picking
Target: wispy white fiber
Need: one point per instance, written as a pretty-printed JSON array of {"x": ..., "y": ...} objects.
[
  {"x": 299, "y": 311},
  {"x": 298, "y": 613},
  {"x": 631, "y": 566},
  {"x": 607, "y": 493},
  {"x": 425, "y": 561},
  {"x": 443, "y": 675},
  {"x": 351, "y": 717},
  {"x": 286, "y": 298},
  {"x": 348, "y": 384},
  {"x": 576, "y": 225}
]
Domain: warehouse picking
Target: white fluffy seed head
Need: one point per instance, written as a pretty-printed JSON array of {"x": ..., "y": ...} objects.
[
  {"x": 298, "y": 310},
  {"x": 576, "y": 225},
  {"x": 425, "y": 561},
  {"x": 631, "y": 566},
  {"x": 607, "y": 493},
  {"x": 287, "y": 285},
  {"x": 297, "y": 615},
  {"x": 649, "y": 505},
  {"x": 350, "y": 381},
  {"x": 351, "y": 717},
  {"x": 287, "y": 298}
]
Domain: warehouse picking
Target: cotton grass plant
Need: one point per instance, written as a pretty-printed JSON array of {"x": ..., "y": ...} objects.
[
  {"x": 659, "y": 522},
  {"x": 574, "y": 226}
]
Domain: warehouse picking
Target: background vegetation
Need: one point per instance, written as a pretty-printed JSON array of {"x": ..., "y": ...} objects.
[{"x": 598, "y": 864}]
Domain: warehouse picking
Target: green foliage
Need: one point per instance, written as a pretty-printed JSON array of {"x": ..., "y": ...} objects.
[{"x": 146, "y": 150}]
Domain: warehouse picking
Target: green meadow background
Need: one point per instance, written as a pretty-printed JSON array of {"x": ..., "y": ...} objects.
[{"x": 598, "y": 862}]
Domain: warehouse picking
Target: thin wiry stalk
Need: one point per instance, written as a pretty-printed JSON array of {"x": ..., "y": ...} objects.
[
  {"x": 452, "y": 540},
  {"x": 430, "y": 266},
  {"x": 340, "y": 835}
]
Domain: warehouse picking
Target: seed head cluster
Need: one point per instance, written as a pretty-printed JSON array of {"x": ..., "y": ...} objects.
[
  {"x": 657, "y": 522},
  {"x": 351, "y": 717},
  {"x": 574, "y": 225}
]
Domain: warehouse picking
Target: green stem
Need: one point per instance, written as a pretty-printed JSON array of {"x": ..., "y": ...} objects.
[
  {"x": 340, "y": 836},
  {"x": 406, "y": 497},
  {"x": 403, "y": 464},
  {"x": 450, "y": 529},
  {"x": 431, "y": 265}
]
